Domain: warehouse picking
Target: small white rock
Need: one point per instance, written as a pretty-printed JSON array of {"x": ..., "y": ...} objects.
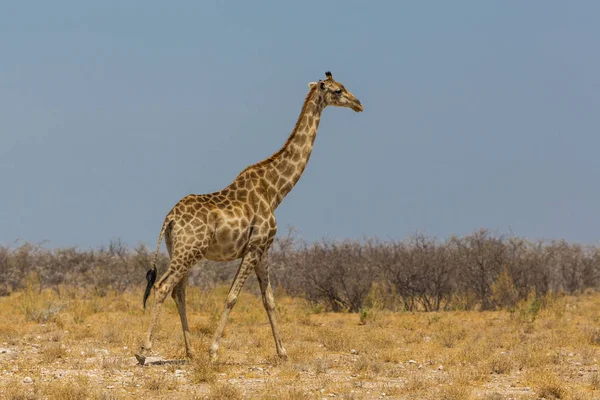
[
  {"x": 27, "y": 380},
  {"x": 110, "y": 387},
  {"x": 125, "y": 348},
  {"x": 441, "y": 368},
  {"x": 412, "y": 362},
  {"x": 353, "y": 351}
]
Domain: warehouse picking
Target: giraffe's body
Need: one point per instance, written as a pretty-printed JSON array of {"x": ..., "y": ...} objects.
[{"x": 239, "y": 221}]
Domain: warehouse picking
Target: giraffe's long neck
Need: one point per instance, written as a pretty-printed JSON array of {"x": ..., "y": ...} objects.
[{"x": 283, "y": 169}]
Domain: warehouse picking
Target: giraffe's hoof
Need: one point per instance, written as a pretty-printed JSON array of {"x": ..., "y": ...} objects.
[
  {"x": 141, "y": 359},
  {"x": 283, "y": 355},
  {"x": 212, "y": 353}
]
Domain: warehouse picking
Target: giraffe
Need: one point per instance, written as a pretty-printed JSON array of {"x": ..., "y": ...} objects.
[{"x": 238, "y": 221}]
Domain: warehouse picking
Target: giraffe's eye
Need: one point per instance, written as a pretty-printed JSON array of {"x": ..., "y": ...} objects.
[{"x": 338, "y": 91}]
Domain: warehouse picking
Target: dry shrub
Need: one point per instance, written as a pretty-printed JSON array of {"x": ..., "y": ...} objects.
[
  {"x": 80, "y": 311},
  {"x": 15, "y": 390},
  {"x": 374, "y": 305},
  {"x": 593, "y": 336},
  {"x": 449, "y": 334},
  {"x": 468, "y": 376},
  {"x": 305, "y": 319},
  {"x": 161, "y": 382},
  {"x": 37, "y": 307},
  {"x": 225, "y": 392},
  {"x": 552, "y": 390},
  {"x": 455, "y": 393},
  {"x": 53, "y": 352},
  {"x": 203, "y": 370},
  {"x": 8, "y": 333},
  {"x": 367, "y": 367},
  {"x": 500, "y": 364},
  {"x": 334, "y": 339},
  {"x": 504, "y": 293},
  {"x": 415, "y": 381},
  {"x": 548, "y": 385},
  {"x": 588, "y": 355},
  {"x": 112, "y": 363},
  {"x": 535, "y": 355},
  {"x": 286, "y": 393},
  {"x": 67, "y": 390},
  {"x": 493, "y": 396},
  {"x": 320, "y": 366},
  {"x": 155, "y": 382},
  {"x": 204, "y": 329},
  {"x": 112, "y": 334},
  {"x": 595, "y": 381}
]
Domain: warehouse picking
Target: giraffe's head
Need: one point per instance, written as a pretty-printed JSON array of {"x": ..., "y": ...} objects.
[{"x": 335, "y": 94}]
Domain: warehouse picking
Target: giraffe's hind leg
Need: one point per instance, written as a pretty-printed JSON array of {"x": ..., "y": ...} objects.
[
  {"x": 178, "y": 295},
  {"x": 181, "y": 262}
]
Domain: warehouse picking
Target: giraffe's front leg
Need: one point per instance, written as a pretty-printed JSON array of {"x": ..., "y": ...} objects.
[
  {"x": 262, "y": 273},
  {"x": 246, "y": 267},
  {"x": 178, "y": 295}
]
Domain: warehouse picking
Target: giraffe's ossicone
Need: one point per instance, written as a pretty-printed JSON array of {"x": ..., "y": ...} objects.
[{"x": 239, "y": 221}]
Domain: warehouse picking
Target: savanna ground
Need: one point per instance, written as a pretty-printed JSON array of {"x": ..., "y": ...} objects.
[{"x": 81, "y": 345}]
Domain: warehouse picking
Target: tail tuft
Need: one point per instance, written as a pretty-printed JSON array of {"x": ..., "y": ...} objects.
[{"x": 151, "y": 278}]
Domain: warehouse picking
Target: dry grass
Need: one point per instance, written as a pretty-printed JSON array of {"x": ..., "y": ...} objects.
[
  {"x": 225, "y": 392},
  {"x": 82, "y": 345}
]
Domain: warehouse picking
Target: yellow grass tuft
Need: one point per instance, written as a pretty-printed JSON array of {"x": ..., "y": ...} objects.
[{"x": 225, "y": 392}]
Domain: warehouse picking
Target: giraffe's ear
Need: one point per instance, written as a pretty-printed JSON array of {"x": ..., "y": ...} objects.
[{"x": 311, "y": 84}]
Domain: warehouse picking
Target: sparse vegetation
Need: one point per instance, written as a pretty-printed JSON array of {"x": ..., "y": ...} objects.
[
  {"x": 407, "y": 355},
  {"x": 480, "y": 271},
  {"x": 499, "y": 318}
]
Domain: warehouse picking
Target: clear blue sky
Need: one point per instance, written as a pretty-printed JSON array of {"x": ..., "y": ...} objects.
[{"x": 477, "y": 114}]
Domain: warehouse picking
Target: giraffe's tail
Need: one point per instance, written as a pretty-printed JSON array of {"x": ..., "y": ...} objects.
[
  {"x": 151, "y": 274},
  {"x": 151, "y": 278}
]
